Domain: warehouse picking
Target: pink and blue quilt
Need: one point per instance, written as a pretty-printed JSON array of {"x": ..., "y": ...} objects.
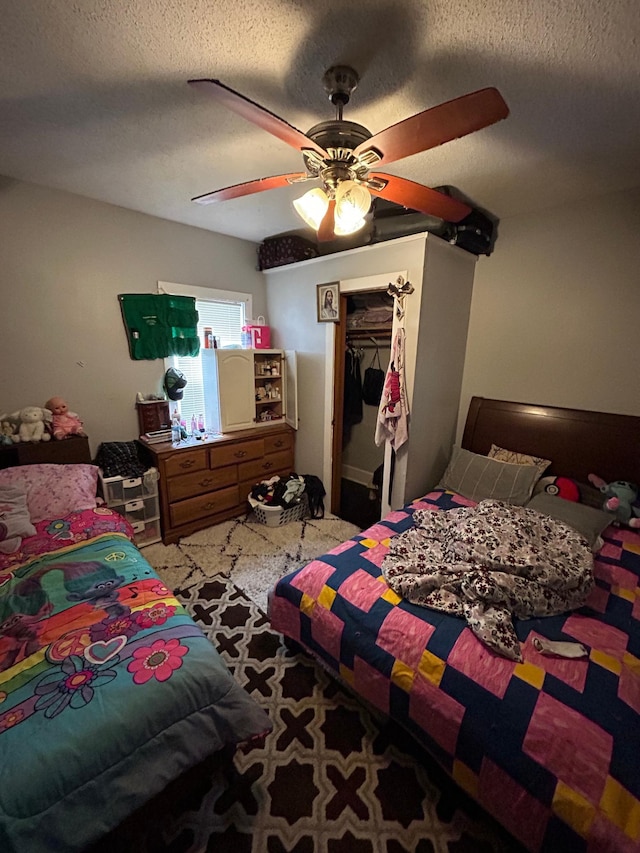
[{"x": 549, "y": 746}]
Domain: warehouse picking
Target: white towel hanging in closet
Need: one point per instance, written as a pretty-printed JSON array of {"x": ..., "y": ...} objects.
[{"x": 393, "y": 413}]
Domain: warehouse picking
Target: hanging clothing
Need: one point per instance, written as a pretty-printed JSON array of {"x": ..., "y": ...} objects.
[
  {"x": 160, "y": 324},
  {"x": 393, "y": 414},
  {"x": 352, "y": 401}
]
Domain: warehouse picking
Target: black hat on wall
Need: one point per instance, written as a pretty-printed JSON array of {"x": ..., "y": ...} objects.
[{"x": 174, "y": 382}]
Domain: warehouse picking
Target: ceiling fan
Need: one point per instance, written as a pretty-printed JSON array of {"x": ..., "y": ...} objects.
[{"x": 342, "y": 154}]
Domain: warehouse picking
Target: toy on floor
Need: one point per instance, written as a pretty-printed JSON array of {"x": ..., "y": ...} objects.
[
  {"x": 622, "y": 499},
  {"x": 64, "y": 422}
]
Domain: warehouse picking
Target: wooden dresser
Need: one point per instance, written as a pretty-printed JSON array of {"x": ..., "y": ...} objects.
[{"x": 203, "y": 483}]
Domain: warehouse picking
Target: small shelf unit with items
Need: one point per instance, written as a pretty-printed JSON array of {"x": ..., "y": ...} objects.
[
  {"x": 135, "y": 498},
  {"x": 245, "y": 388},
  {"x": 204, "y": 483},
  {"x": 268, "y": 386}
]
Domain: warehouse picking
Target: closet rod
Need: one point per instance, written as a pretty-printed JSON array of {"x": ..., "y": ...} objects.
[{"x": 370, "y": 346}]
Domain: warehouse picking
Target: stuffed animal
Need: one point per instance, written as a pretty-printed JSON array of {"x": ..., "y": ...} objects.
[
  {"x": 32, "y": 423},
  {"x": 64, "y": 422},
  {"x": 8, "y": 433},
  {"x": 563, "y": 487},
  {"x": 622, "y": 499}
]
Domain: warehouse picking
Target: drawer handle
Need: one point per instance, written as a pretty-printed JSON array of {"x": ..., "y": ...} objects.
[
  {"x": 279, "y": 443},
  {"x": 187, "y": 463},
  {"x": 267, "y": 465},
  {"x": 208, "y": 481},
  {"x": 210, "y": 505},
  {"x": 240, "y": 453}
]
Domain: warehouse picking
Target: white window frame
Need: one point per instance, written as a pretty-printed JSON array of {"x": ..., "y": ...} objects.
[{"x": 209, "y": 294}]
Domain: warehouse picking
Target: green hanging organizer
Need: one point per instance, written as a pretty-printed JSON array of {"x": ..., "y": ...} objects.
[{"x": 159, "y": 324}]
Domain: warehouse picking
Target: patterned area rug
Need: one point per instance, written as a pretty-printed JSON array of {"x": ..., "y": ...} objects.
[
  {"x": 332, "y": 777},
  {"x": 253, "y": 555}
]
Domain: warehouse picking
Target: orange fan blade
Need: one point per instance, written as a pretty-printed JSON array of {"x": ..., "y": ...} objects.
[
  {"x": 258, "y": 186},
  {"x": 258, "y": 115},
  {"x": 431, "y": 128},
  {"x": 418, "y": 197},
  {"x": 325, "y": 231}
]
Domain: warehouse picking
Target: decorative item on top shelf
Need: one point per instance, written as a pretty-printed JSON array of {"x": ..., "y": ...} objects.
[{"x": 287, "y": 249}]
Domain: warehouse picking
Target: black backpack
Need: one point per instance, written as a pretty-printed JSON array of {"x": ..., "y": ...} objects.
[{"x": 315, "y": 493}]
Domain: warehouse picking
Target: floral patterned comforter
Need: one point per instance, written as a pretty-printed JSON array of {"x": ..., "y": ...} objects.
[
  {"x": 489, "y": 563},
  {"x": 108, "y": 690}
]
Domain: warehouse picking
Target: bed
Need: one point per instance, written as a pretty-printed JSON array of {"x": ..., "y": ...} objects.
[
  {"x": 109, "y": 691},
  {"x": 547, "y": 744}
]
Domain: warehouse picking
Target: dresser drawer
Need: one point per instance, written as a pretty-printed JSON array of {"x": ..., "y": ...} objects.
[
  {"x": 201, "y": 482},
  {"x": 185, "y": 461},
  {"x": 263, "y": 469},
  {"x": 227, "y": 454},
  {"x": 278, "y": 442},
  {"x": 200, "y": 507}
]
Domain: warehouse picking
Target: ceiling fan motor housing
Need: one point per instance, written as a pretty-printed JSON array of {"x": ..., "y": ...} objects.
[{"x": 339, "y": 82}]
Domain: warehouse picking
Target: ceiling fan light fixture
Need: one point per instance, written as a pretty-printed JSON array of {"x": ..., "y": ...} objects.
[
  {"x": 352, "y": 200},
  {"x": 342, "y": 227},
  {"x": 312, "y": 207},
  {"x": 352, "y": 204}
]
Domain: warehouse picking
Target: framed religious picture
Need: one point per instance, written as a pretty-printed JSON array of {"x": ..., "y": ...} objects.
[{"x": 328, "y": 298}]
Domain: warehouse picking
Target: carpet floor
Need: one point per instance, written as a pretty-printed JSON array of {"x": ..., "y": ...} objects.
[
  {"x": 254, "y": 556},
  {"x": 333, "y": 776}
]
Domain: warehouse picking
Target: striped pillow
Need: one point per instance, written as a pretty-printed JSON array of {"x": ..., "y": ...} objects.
[{"x": 478, "y": 477}]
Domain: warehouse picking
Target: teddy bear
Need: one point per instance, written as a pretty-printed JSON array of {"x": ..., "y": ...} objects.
[
  {"x": 32, "y": 423},
  {"x": 621, "y": 499},
  {"x": 64, "y": 422}
]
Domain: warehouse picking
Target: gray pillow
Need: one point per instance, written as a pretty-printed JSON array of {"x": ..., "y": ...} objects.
[
  {"x": 15, "y": 522},
  {"x": 478, "y": 477},
  {"x": 589, "y": 522}
]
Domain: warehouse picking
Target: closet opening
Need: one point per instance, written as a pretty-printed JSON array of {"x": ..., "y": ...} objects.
[{"x": 362, "y": 352}]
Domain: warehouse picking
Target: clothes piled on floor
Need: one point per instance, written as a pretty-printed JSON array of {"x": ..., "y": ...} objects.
[
  {"x": 287, "y": 491},
  {"x": 279, "y": 491}
]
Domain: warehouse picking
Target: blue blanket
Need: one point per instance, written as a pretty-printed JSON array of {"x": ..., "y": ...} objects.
[{"x": 108, "y": 691}]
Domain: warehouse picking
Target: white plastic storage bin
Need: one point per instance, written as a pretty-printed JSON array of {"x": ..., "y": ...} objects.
[
  {"x": 122, "y": 490},
  {"x": 146, "y": 532},
  {"x": 143, "y": 509}
]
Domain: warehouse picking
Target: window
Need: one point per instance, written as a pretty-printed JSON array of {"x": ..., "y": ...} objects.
[{"x": 225, "y": 312}]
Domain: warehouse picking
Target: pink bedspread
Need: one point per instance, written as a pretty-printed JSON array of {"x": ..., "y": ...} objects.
[{"x": 54, "y": 533}]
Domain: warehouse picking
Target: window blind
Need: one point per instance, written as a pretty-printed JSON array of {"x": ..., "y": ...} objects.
[{"x": 226, "y": 320}]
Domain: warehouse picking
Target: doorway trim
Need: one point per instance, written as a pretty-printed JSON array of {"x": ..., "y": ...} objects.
[{"x": 333, "y": 383}]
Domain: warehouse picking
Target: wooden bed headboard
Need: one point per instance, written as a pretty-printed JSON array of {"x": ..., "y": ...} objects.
[{"x": 577, "y": 441}]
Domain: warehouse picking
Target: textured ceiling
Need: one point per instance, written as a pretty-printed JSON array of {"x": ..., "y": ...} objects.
[{"x": 95, "y": 99}]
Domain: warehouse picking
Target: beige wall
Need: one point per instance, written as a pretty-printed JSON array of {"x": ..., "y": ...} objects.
[
  {"x": 554, "y": 319},
  {"x": 291, "y": 300},
  {"x": 63, "y": 261},
  {"x": 555, "y": 316}
]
